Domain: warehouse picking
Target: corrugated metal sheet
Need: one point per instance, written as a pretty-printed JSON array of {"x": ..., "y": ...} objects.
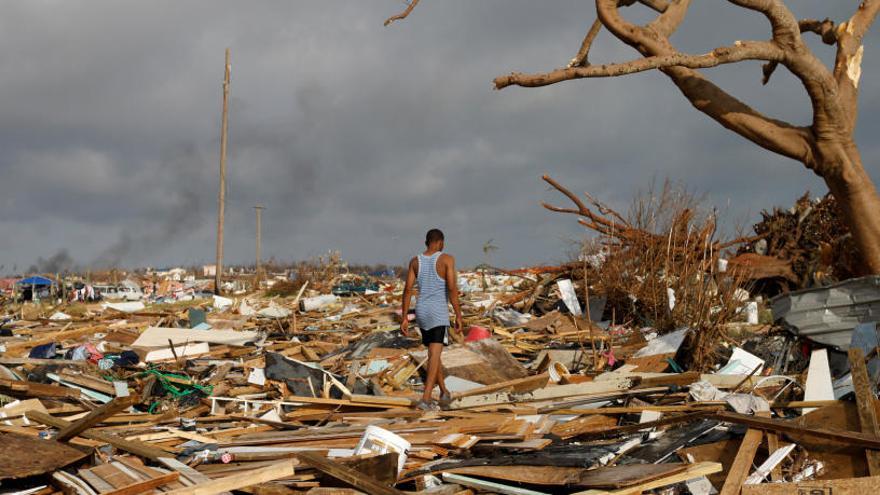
[{"x": 828, "y": 315}]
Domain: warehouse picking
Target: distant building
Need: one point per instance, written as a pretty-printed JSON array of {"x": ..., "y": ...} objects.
[{"x": 209, "y": 270}]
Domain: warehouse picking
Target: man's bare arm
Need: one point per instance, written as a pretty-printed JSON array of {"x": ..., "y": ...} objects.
[
  {"x": 452, "y": 291},
  {"x": 407, "y": 295}
]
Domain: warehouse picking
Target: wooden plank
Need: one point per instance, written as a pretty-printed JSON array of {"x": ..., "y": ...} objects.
[
  {"x": 88, "y": 382},
  {"x": 604, "y": 477},
  {"x": 847, "y": 486},
  {"x": 517, "y": 385},
  {"x": 347, "y": 475},
  {"x": 639, "y": 409},
  {"x": 38, "y": 390},
  {"x": 93, "y": 479},
  {"x": 113, "y": 475},
  {"x": 132, "y": 446},
  {"x": 236, "y": 481},
  {"x": 693, "y": 471},
  {"x": 773, "y": 446},
  {"x": 380, "y": 401},
  {"x": 739, "y": 471},
  {"x": 95, "y": 417},
  {"x": 33, "y": 456},
  {"x": 136, "y": 464},
  {"x": 71, "y": 484},
  {"x": 333, "y": 402},
  {"x": 146, "y": 485},
  {"x": 188, "y": 472},
  {"x": 782, "y": 426},
  {"x": 488, "y": 486},
  {"x": 865, "y": 404},
  {"x": 596, "y": 388}
]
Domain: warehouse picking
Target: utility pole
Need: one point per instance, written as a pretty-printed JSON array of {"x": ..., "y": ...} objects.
[
  {"x": 221, "y": 201},
  {"x": 259, "y": 211}
]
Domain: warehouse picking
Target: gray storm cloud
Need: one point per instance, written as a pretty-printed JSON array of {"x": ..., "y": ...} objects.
[{"x": 357, "y": 137}]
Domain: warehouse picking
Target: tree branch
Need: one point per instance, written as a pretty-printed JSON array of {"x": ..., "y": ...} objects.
[
  {"x": 597, "y": 221},
  {"x": 658, "y": 5},
  {"x": 775, "y": 135},
  {"x": 825, "y": 29},
  {"x": 668, "y": 22},
  {"x": 744, "y": 50},
  {"x": 785, "y": 26},
  {"x": 583, "y": 55},
  {"x": 403, "y": 15},
  {"x": 848, "y": 62},
  {"x": 828, "y": 115}
]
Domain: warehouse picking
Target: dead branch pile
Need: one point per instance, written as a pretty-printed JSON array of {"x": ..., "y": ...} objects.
[
  {"x": 658, "y": 265},
  {"x": 812, "y": 237}
]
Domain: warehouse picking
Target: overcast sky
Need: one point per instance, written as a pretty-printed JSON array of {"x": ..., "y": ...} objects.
[{"x": 358, "y": 137}]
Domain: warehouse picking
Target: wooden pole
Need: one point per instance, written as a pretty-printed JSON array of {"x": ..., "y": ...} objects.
[
  {"x": 221, "y": 201},
  {"x": 865, "y": 398},
  {"x": 259, "y": 211}
]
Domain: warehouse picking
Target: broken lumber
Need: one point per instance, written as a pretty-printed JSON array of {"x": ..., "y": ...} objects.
[
  {"x": 767, "y": 424},
  {"x": 95, "y": 417},
  {"x": 240, "y": 480},
  {"x": 132, "y": 446},
  {"x": 865, "y": 404},
  {"x": 346, "y": 474}
]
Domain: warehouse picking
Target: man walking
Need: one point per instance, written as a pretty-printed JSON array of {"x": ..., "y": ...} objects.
[{"x": 438, "y": 286}]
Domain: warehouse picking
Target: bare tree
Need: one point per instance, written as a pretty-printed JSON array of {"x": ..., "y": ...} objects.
[{"x": 826, "y": 146}]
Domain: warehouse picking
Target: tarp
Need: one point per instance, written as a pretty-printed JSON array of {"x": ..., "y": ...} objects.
[{"x": 38, "y": 281}]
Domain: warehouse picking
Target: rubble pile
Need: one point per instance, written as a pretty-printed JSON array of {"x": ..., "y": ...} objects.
[{"x": 313, "y": 392}]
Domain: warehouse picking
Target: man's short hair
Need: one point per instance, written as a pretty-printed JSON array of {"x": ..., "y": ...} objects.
[{"x": 432, "y": 236}]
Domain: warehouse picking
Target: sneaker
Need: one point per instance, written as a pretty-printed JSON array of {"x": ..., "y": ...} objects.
[
  {"x": 445, "y": 400},
  {"x": 426, "y": 406}
]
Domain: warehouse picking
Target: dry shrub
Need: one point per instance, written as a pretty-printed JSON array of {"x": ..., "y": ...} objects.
[
  {"x": 666, "y": 241},
  {"x": 321, "y": 273}
]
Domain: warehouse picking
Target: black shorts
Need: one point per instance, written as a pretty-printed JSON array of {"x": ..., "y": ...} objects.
[{"x": 436, "y": 335}]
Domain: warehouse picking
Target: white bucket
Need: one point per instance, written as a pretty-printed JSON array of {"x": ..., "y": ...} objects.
[{"x": 381, "y": 441}]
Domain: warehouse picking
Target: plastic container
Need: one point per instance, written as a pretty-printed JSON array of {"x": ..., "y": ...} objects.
[{"x": 381, "y": 441}]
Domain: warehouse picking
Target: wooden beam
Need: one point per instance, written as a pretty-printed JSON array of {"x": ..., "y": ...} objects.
[
  {"x": 865, "y": 404},
  {"x": 95, "y": 417},
  {"x": 189, "y": 473},
  {"x": 132, "y": 446},
  {"x": 347, "y": 475},
  {"x": 518, "y": 384},
  {"x": 773, "y": 446},
  {"x": 276, "y": 471},
  {"x": 739, "y": 470},
  {"x": 38, "y": 390},
  {"x": 146, "y": 485},
  {"x": 778, "y": 425},
  {"x": 694, "y": 471}
]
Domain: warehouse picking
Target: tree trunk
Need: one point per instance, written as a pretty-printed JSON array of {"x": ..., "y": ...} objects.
[{"x": 840, "y": 164}]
